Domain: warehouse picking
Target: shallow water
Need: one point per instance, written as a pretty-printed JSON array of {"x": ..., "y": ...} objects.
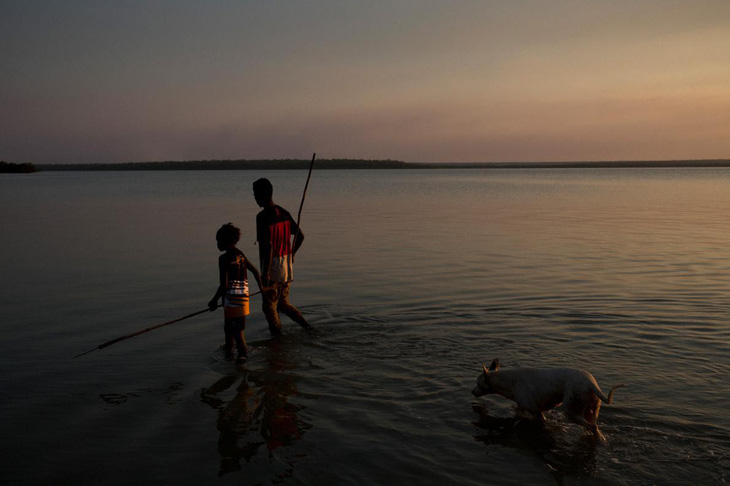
[{"x": 413, "y": 279}]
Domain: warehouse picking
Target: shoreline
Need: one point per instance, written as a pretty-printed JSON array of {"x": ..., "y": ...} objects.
[{"x": 346, "y": 164}]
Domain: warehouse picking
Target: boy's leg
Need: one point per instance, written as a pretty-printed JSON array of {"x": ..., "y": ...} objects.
[
  {"x": 238, "y": 336},
  {"x": 289, "y": 310},
  {"x": 228, "y": 329},
  {"x": 270, "y": 312}
]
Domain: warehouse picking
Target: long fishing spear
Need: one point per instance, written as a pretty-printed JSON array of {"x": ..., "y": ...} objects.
[
  {"x": 143, "y": 331},
  {"x": 301, "y": 204},
  {"x": 122, "y": 338}
]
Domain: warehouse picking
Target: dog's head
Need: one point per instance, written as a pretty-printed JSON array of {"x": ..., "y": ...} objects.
[{"x": 484, "y": 387}]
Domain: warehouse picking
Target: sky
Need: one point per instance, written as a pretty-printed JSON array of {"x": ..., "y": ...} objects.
[{"x": 101, "y": 81}]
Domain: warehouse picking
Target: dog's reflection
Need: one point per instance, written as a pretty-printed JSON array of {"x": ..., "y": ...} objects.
[
  {"x": 563, "y": 454},
  {"x": 258, "y": 412}
]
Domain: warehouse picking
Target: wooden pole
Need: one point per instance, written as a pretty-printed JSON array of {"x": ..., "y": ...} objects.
[
  {"x": 301, "y": 204},
  {"x": 143, "y": 331}
]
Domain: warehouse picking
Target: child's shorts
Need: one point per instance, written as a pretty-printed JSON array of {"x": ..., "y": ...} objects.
[{"x": 238, "y": 309}]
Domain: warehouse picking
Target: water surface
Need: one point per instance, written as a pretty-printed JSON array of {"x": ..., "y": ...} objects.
[{"x": 413, "y": 279}]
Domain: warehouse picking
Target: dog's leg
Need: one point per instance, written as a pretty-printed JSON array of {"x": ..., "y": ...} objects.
[
  {"x": 538, "y": 417},
  {"x": 583, "y": 410},
  {"x": 597, "y": 433},
  {"x": 533, "y": 415},
  {"x": 591, "y": 413},
  {"x": 591, "y": 427}
]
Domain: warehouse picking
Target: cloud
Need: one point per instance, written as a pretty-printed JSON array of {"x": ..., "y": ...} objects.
[
  {"x": 484, "y": 81},
  {"x": 690, "y": 123}
]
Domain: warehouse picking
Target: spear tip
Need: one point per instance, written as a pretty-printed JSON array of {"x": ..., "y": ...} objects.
[{"x": 85, "y": 352}]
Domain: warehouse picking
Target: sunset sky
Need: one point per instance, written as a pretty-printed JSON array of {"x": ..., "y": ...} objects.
[{"x": 420, "y": 81}]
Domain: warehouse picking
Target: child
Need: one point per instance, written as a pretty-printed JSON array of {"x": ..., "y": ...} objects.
[{"x": 232, "y": 266}]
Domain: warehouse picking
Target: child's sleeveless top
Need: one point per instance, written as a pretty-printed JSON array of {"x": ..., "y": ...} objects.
[{"x": 235, "y": 300}]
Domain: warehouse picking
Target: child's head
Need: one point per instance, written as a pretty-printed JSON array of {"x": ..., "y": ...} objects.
[
  {"x": 263, "y": 191},
  {"x": 227, "y": 236}
]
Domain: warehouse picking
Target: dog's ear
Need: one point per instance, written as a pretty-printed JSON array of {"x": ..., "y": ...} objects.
[
  {"x": 484, "y": 367},
  {"x": 495, "y": 365}
]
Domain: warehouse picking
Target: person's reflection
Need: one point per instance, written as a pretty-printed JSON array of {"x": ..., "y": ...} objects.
[
  {"x": 259, "y": 412},
  {"x": 237, "y": 438}
]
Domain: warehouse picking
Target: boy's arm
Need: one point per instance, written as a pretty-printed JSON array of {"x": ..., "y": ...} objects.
[
  {"x": 265, "y": 254},
  {"x": 265, "y": 291},
  {"x": 222, "y": 279},
  {"x": 298, "y": 240},
  {"x": 298, "y": 235},
  {"x": 256, "y": 275},
  {"x": 264, "y": 246}
]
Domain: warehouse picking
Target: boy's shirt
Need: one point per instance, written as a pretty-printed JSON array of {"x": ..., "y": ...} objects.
[
  {"x": 236, "y": 298},
  {"x": 274, "y": 229}
]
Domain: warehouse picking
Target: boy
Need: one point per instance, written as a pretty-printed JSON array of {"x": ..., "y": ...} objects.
[
  {"x": 274, "y": 229},
  {"x": 233, "y": 288}
]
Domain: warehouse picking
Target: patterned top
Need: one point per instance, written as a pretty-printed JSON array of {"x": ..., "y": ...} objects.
[
  {"x": 274, "y": 230},
  {"x": 235, "y": 300}
]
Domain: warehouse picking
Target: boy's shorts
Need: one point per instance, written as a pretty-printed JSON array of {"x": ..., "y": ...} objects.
[{"x": 240, "y": 308}]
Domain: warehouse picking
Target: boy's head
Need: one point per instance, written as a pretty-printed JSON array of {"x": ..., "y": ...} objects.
[
  {"x": 263, "y": 192},
  {"x": 227, "y": 236}
]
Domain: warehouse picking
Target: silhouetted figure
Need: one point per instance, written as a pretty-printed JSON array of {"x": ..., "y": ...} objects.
[
  {"x": 233, "y": 288},
  {"x": 274, "y": 230}
]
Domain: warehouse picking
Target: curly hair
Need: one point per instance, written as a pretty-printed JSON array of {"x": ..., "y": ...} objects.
[{"x": 228, "y": 234}]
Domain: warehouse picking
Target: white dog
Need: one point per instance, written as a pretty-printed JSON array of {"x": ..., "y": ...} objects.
[{"x": 536, "y": 390}]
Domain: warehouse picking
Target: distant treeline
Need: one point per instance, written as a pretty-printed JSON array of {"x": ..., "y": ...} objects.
[
  {"x": 282, "y": 164},
  {"x": 618, "y": 164},
  {"x": 296, "y": 164},
  {"x": 17, "y": 168}
]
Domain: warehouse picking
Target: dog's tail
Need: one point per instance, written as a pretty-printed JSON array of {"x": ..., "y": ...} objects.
[
  {"x": 610, "y": 393},
  {"x": 608, "y": 399}
]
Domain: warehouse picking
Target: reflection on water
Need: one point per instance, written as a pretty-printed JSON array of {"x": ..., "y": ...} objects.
[
  {"x": 254, "y": 409},
  {"x": 565, "y": 455},
  {"x": 170, "y": 394}
]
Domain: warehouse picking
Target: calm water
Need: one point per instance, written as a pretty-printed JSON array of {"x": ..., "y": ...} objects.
[{"x": 413, "y": 279}]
